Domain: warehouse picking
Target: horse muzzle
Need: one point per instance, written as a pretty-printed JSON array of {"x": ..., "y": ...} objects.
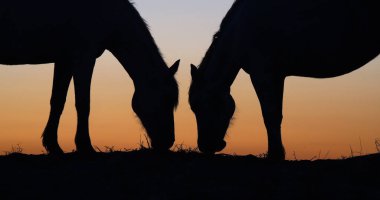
[{"x": 209, "y": 147}]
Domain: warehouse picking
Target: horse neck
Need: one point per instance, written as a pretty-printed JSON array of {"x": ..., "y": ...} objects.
[
  {"x": 143, "y": 66},
  {"x": 137, "y": 51},
  {"x": 220, "y": 66},
  {"x": 223, "y": 59}
]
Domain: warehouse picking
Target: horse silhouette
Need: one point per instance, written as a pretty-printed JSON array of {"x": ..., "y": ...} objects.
[
  {"x": 73, "y": 34},
  {"x": 271, "y": 40}
]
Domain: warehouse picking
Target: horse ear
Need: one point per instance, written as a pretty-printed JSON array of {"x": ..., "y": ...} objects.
[
  {"x": 174, "y": 68},
  {"x": 193, "y": 71}
]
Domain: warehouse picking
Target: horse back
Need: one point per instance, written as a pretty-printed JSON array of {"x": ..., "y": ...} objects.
[
  {"x": 317, "y": 38},
  {"x": 42, "y": 31},
  {"x": 337, "y": 42}
]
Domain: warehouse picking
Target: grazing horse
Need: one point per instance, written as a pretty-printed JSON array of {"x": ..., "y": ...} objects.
[
  {"x": 73, "y": 34},
  {"x": 271, "y": 40}
]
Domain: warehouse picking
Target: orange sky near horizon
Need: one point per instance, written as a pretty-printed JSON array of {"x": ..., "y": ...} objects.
[{"x": 322, "y": 117}]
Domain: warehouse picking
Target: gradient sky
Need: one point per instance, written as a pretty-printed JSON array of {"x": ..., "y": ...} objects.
[{"x": 322, "y": 118}]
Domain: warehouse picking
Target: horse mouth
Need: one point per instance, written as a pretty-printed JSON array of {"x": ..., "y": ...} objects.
[{"x": 211, "y": 148}]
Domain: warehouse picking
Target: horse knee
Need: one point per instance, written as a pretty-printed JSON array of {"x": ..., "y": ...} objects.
[
  {"x": 273, "y": 119},
  {"x": 56, "y": 109},
  {"x": 83, "y": 108}
]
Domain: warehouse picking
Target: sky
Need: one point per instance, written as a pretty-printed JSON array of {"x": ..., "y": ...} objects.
[{"x": 323, "y": 118}]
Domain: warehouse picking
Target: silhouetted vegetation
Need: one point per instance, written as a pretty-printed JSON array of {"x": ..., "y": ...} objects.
[
  {"x": 185, "y": 174},
  {"x": 14, "y": 150}
]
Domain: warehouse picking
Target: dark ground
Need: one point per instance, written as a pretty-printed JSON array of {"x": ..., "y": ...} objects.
[{"x": 148, "y": 175}]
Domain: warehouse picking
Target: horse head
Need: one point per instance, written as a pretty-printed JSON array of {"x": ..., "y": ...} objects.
[
  {"x": 213, "y": 108},
  {"x": 154, "y": 105}
]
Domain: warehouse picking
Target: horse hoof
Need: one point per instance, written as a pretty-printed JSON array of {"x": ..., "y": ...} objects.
[
  {"x": 56, "y": 153},
  {"x": 209, "y": 153},
  {"x": 86, "y": 151},
  {"x": 161, "y": 150},
  {"x": 280, "y": 156},
  {"x": 53, "y": 150}
]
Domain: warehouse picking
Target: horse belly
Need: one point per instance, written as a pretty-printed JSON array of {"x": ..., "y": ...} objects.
[
  {"x": 26, "y": 50},
  {"x": 325, "y": 57},
  {"x": 328, "y": 65},
  {"x": 332, "y": 44}
]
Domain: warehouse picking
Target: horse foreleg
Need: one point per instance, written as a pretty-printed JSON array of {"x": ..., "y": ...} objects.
[
  {"x": 82, "y": 82},
  {"x": 270, "y": 93},
  {"x": 61, "y": 82}
]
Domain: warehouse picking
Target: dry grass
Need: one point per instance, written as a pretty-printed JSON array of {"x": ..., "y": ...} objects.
[
  {"x": 14, "y": 150},
  {"x": 144, "y": 145},
  {"x": 262, "y": 156},
  {"x": 181, "y": 148}
]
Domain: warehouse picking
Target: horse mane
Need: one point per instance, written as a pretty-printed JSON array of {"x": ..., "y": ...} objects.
[
  {"x": 141, "y": 22},
  {"x": 143, "y": 25},
  {"x": 226, "y": 20}
]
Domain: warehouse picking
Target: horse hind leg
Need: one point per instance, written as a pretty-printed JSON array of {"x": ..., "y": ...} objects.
[
  {"x": 61, "y": 82},
  {"x": 270, "y": 93},
  {"x": 82, "y": 82}
]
